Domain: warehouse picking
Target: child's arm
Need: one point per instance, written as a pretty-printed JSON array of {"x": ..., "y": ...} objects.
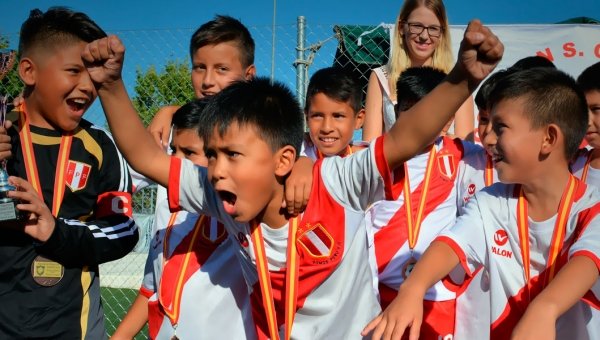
[
  {"x": 479, "y": 53},
  {"x": 406, "y": 310},
  {"x": 134, "y": 320},
  {"x": 570, "y": 284},
  {"x": 160, "y": 126},
  {"x": 373, "y": 125},
  {"x": 105, "y": 62},
  {"x": 298, "y": 186}
]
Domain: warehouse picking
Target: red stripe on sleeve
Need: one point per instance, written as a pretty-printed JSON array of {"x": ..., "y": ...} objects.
[
  {"x": 174, "y": 184},
  {"x": 146, "y": 292},
  {"x": 383, "y": 168},
  {"x": 589, "y": 255}
]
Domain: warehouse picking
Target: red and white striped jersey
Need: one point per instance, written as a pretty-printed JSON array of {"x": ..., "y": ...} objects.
[
  {"x": 335, "y": 299},
  {"x": 487, "y": 236},
  {"x": 199, "y": 279}
]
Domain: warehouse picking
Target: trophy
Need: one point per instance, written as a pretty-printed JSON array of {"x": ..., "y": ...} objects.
[{"x": 8, "y": 206}]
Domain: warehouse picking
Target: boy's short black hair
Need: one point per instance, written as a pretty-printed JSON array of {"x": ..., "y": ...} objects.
[
  {"x": 589, "y": 79},
  {"x": 337, "y": 84},
  {"x": 483, "y": 94},
  {"x": 188, "y": 116},
  {"x": 531, "y": 62},
  {"x": 56, "y": 27},
  {"x": 270, "y": 108},
  {"x": 224, "y": 29},
  {"x": 551, "y": 97},
  {"x": 414, "y": 84}
]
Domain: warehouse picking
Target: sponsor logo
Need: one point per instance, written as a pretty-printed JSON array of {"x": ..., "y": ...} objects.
[
  {"x": 77, "y": 175},
  {"x": 502, "y": 252},
  {"x": 501, "y": 237},
  {"x": 471, "y": 189}
]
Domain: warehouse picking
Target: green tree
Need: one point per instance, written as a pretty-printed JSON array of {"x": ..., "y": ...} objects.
[
  {"x": 171, "y": 86},
  {"x": 11, "y": 84}
]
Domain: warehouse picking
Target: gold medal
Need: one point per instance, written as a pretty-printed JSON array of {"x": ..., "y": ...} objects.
[
  {"x": 408, "y": 267},
  {"x": 46, "y": 272}
]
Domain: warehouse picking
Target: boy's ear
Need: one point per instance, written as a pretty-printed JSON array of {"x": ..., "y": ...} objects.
[
  {"x": 285, "y": 159},
  {"x": 250, "y": 72},
  {"x": 27, "y": 71},
  {"x": 360, "y": 119},
  {"x": 552, "y": 136}
]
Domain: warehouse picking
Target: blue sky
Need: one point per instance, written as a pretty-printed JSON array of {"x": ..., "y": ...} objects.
[{"x": 180, "y": 18}]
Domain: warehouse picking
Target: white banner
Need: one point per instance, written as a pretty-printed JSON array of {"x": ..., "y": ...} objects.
[{"x": 572, "y": 48}]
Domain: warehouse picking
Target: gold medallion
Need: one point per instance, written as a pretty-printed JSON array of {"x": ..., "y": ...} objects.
[
  {"x": 46, "y": 272},
  {"x": 408, "y": 267}
]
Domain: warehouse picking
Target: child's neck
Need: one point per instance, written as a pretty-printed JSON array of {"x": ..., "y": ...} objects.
[
  {"x": 274, "y": 215},
  {"x": 543, "y": 193},
  {"x": 595, "y": 160},
  {"x": 35, "y": 116}
]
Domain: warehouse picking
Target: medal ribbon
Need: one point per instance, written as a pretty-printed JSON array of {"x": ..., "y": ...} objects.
[
  {"x": 31, "y": 165},
  {"x": 173, "y": 310},
  {"x": 264, "y": 278},
  {"x": 558, "y": 235},
  {"x": 586, "y": 167},
  {"x": 489, "y": 171},
  {"x": 414, "y": 223}
]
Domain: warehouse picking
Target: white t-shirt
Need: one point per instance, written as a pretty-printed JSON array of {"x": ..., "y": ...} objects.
[
  {"x": 487, "y": 235},
  {"x": 335, "y": 299}
]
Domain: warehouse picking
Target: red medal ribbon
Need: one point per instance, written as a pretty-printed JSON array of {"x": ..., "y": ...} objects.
[
  {"x": 31, "y": 165},
  {"x": 414, "y": 223},
  {"x": 489, "y": 171},
  {"x": 558, "y": 235},
  {"x": 264, "y": 278}
]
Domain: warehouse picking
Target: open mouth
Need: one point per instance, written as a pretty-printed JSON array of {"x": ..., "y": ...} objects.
[
  {"x": 77, "y": 104},
  {"x": 229, "y": 200},
  {"x": 328, "y": 140}
]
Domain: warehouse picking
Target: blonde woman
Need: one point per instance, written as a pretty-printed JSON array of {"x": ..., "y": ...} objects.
[{"x": 421, "y": 38}]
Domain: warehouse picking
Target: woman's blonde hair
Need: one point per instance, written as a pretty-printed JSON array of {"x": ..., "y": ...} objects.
[{"x": 400, "y": 60}]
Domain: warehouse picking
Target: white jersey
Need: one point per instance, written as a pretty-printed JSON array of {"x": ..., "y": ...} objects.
[
  {"x": 213, "y": 299},
  {"x": 582, "y": 170},
  {"x": 334, "y": 296},
  {"x": 388, "y": 219},
  {"x": 487, "y": 236},
  {"x": 473, "y": 169}
]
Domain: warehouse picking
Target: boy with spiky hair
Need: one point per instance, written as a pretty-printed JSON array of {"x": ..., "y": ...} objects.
[
  {"x": 73, "y": 182},
  {"x": 308, "y": 275}
]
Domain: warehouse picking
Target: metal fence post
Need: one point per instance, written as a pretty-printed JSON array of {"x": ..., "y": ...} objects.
[{"x": 300, "y": 62}]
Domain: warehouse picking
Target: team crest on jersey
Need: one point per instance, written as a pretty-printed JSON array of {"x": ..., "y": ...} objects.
[
  {"x": 317, "y": 241},
  {"x": 77, "y": 175},
  {"x": 212, "y": 231},
  {"x": 446, "y": 165}
]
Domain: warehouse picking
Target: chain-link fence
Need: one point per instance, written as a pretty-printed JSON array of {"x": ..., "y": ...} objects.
[{"x": 156, "y": 73}]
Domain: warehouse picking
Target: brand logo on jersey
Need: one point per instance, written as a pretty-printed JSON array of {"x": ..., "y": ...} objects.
[
  {"x": 501, "y": 237},
  {"x": 471, "y": 189},
  {"x": 77, "y": 175},
  {"x": 212, "y": 231},
  {"x": 242, "y": 239},
  {"x": 317, "y": 241},
  {"x": 502, "y": 252},
  {"x": 446, "y": 165}
]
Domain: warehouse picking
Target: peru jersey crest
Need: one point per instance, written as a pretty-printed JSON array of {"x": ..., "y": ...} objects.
[
  {"x": 317, "y": 241},
  {"x": 77, "y": 175},
  {"x": 446, "y": 165}
]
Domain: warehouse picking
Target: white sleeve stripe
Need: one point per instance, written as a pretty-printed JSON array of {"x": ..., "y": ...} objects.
[
  {"x": 129, "y": 225},
  {"x": 123, "y": 184},
  {"x": 116, "y": 236}
]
